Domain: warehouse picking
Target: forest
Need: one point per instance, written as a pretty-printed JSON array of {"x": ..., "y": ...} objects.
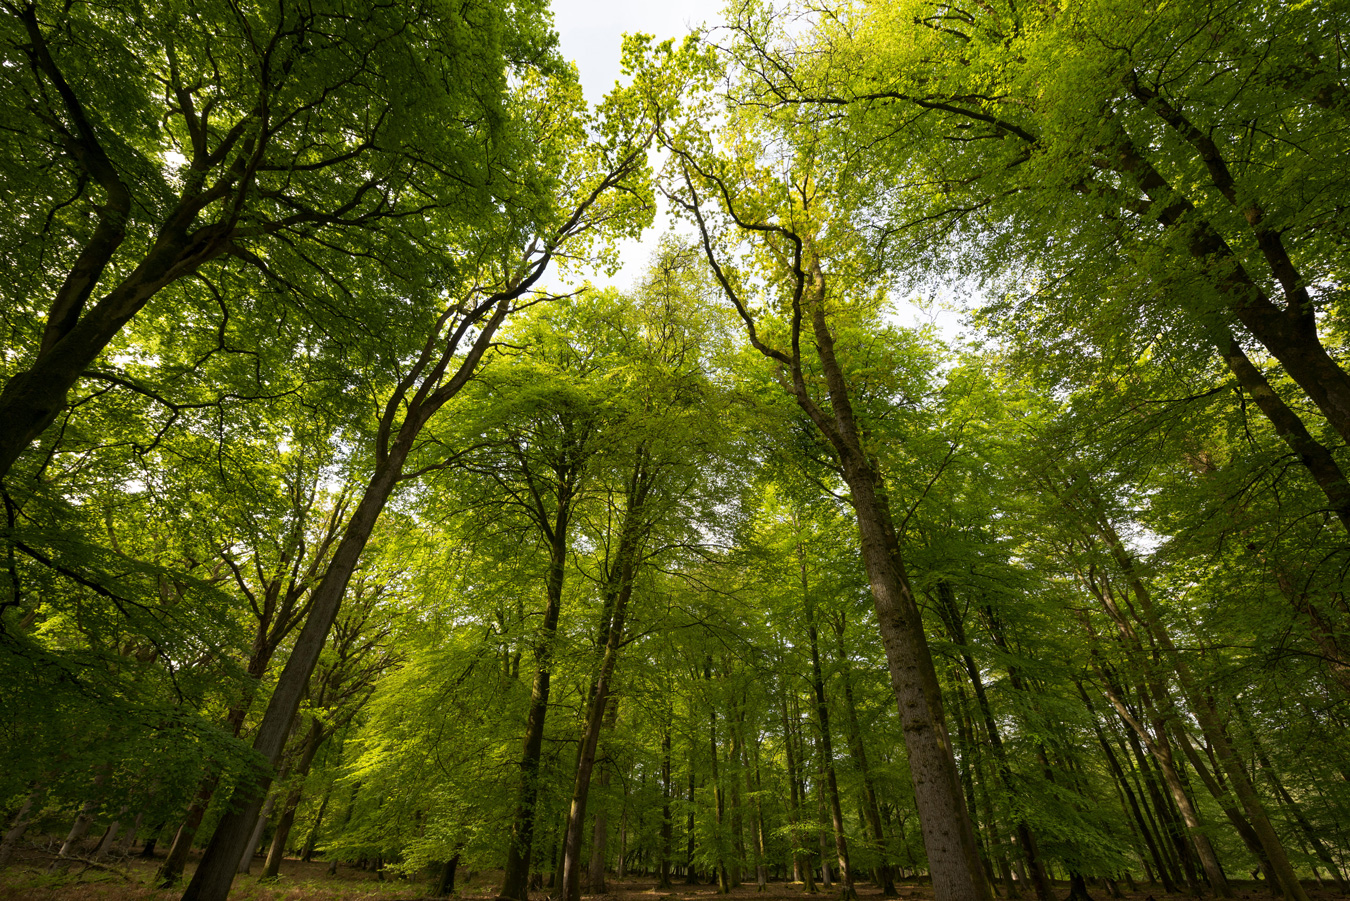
[{"x": 363, "y": 539}]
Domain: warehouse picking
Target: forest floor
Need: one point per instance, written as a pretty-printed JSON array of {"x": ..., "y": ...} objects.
[{"x": 26, "y": 879}]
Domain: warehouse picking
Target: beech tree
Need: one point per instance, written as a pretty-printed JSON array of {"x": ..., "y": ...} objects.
[{"x": 319, "y": 494}]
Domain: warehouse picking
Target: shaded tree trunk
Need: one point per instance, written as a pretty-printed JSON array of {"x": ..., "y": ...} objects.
[
  {"x": 847, "y": 892},
  {"x": 18, "y": 826},
  {"x": 617, "y": 592}
]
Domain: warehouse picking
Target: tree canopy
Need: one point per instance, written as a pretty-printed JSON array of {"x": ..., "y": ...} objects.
[{"x": 345, "y": 518}]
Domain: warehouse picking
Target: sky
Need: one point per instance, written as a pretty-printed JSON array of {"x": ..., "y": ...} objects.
[{"x": 591, "y": 32}]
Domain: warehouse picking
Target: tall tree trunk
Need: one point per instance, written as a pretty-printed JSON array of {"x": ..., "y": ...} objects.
[
  {"x": 952, "y": 619},
  {"x": 735, "y": 770},
  {"x": 259, "y": 826},
  {"x": 948, "y": 834},
  {"x": 847, "y": 891},
  {"x": 1319, "y": 462},
  {"x": 667, "y": 827},
  {"x": 1127, "y": 793},
  {"x": 215, "y": 874},
  {"x": 313, "y": 740},
  {"x": 445, "y": 878},
  {"x": 1216, "y": 791},
  {"x": 719, "y": 798},
  {"x": 1273, "y": 777},
  {"x": 1161, "y": 750},
  {"x": 690, "y": 872},
  {"x": 312, "y": 840},
  {"x": 805, "y": 857},
  {"x": 617, "y": 592},
  {"x": 1289, "y": 333},
  {"x": 1177, "y": 850},
  {"x": 516, "y": 878},
  {"x": 754, "y": 790},
  {"x": 858, "y": 751},
  {"x": 1202, "y": 706}
]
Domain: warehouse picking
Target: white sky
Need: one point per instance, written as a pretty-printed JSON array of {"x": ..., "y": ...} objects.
[{"x": 591, "y": 32}]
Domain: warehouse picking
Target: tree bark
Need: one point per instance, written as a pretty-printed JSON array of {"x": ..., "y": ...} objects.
[
  {"x": 516, "y": 878},
  {"x": 312, "y": 840},
  {"x": 445, "y": 879},
  {"x": 83, "y": 820},
  {"x": 255, "y": 839},
  {"x": 950, "y": 616},
  {"x": 617, "y": 593},
  {"x": 858, "y": 751},
  {"x": 847, "y": 892},
  {"x": 949, "y": 836},
  {"x": 17, "y": 828},
  {"x": 1145, "y": 833},
  {"x": 1202, "y": 705},
  {"x": 215, "y": 874},
  {"x": 667, "y": 827},
  {"x": 1161, "y": 750},
  {"x": 277, "y": 850}
]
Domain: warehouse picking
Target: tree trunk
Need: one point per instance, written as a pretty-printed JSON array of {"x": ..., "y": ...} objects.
[
  {"x": 690, "y": 872},
  {"x": 847, "y": 892},
  {"x": 255, "y": 839},
  {"x": 216, "y": 872},
  {"x": 1176, "y": 850},
  {"x": 78, "y": 830},
  {"x": 18, "y": 827},
  {"x": 124, "y": 844},
  {"x": 516, "y": 877},
  {"x": 801, "y": 865},
  {"x": 599, "y": 843},
  {"x": 1126, "y": 792},
  {"x": 1202, "y": 705},
  {"x": 1289, "y": 333},
  {"x": 312, "y": 840},
  {"x": 1161, "y": 749},
  {"x": 1319, "y": 462},
  {"x": 445, "y": 879},
  {"x": 720, "y": 801},
  {"x": 313, "y": 740},
  {"x": 858, "y": 751},
  {"x": 618, "y": 591},
  {"x": 948, "y": 835},
  {"x": 951, "y": 618},
  {"x": 667, "y": 827},
  {"x": 754, "y": 790}
]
